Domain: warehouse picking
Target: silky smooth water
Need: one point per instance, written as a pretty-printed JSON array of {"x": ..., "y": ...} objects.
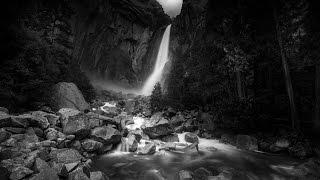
[
  {"x": 161, "y": 61},
  {"x": 212, "y": 156}
]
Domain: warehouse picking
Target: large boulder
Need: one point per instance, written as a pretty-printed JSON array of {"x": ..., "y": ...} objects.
[
  {"x": 247, "y": 142},
  {"x": 90, "y": 145},
  {"x": 78, "y": 125},
  {"x": 158, "y": 131},
  {"x": 20, "y": 172},
  {"x": 106, "y": 135},
  {"x": 191, "y": 138},
  {"x": 44, "y": 171},
  {"x": 148, "y": 149},
  {"x": 67, "y": 95},
  {"x": 65, "y": 156},
  {"x": 23, "y": 121}
]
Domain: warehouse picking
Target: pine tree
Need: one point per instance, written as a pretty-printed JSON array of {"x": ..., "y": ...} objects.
[{"x": 156, "y": 100}]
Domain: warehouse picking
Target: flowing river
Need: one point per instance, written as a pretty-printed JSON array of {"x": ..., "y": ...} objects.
[{"x": 213, "y": 155}]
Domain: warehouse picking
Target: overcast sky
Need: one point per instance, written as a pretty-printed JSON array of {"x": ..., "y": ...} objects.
[{"x": 171, "y": 7}]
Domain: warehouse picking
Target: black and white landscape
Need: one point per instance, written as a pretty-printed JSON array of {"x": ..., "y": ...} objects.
[{"x": 160, "y": 90}]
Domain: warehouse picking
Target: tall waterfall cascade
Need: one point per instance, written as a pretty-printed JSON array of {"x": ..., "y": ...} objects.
[{"x": 162, "y": 59}]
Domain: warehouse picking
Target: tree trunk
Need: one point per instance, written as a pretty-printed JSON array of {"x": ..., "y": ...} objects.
[
  {"x": 239, "y": 85},
  {"x": 316, "y": 121},
  {"x": 293, "y": 112}
]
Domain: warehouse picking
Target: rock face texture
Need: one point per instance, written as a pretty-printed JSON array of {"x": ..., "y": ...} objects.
[{"x": 67, "y": 95}]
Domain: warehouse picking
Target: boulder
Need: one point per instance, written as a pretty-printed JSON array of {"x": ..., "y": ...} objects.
[
  {"x": 97, "y": 175},
  {"x": 65, "y": 156},
  {"x": 77, "y": 125},
  {"x": 279, "y": 146},
  {"x": 23, "y": 121},
  {"x": 45, "y": 171},
  {"x": 90, "y": 145},
  {"x": 148, "y": 149},
  {"x": 129, "y": 144},
  {"x": 247, "y": 142},
  {"x": 34, "y": 120},
  {"x": 185, "y": 175},
  {"x": 65, "y": 113},
  {"x": 106, "y": 135},
  {"x": 79, "y": 174},
  {"x": 158, "y": 131},
  {"x": 168, "y": 146},
  {"x": 52, "y": 118},
  {"x": 52, "y": 134},
  {"x": 170, "y": 138},
  {"x": 191, "y": 138},
  {"x": 110, "y": 111},
  {"x": 152, "y": 174},
  {"x": 20, "y": 173},
  {"x": 67, "y": 95}
]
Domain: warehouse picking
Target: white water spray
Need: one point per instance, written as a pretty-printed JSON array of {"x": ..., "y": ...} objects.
[{"x": 162, "y": 59}]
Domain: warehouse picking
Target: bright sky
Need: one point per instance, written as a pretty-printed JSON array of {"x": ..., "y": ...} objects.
[{"x": 171, "y": 7}]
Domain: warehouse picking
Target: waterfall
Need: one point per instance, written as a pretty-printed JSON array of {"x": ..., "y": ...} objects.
[{"x": 161, "y": 61}]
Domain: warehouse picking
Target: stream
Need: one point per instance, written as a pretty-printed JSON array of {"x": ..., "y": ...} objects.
[{"x": 214, "y": 156}]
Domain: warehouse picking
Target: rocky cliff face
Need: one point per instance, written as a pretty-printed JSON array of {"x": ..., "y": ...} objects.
[{"x": 109, "y": 39}]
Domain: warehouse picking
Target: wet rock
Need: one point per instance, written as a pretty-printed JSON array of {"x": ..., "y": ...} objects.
[
  {"x": 66, "y": 156},
  {"x": 202, "y": 173},
  {"x": 148, "y": 149},
  {"x": 170, "y": 138},
  {"x": 20, "y": 173},
  {"x": 67, "y": 95},
  {"x": 129, "y": 144},
  {"x": 110, "y": 111},
  {"x": 280, "y": 146},
  {"x": 158, "y": 131},
  {"x": 247, "y": 142},
  {"x": 90, "y": 145},
  {"x": 168, "y": 146},
  {"x": 191, "y": 138},
  {"x": 106, "y": 134},
  {"x": 97, "y": 175},
  {"x": 77, "y": 125},
  {"x": 185, "y": 175}
]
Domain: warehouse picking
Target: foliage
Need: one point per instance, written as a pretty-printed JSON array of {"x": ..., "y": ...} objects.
[{"x": 156, "y": 99}]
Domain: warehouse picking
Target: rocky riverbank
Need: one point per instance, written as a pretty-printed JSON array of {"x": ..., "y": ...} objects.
[{"x": 45, "y": 144}]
